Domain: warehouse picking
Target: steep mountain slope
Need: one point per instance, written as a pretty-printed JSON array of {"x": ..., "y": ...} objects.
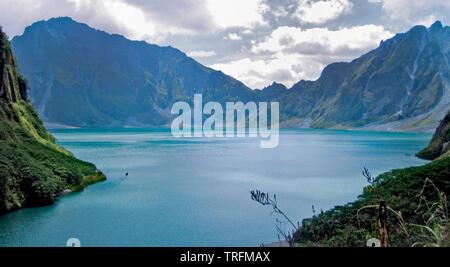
[
  {"x": 33, "y": 169},
  {"x": 402, "y": 85},
  {"x": 439, "y": 145},
  {"x": 84, "y": 77},
  {"x": 271, "y": 92}
]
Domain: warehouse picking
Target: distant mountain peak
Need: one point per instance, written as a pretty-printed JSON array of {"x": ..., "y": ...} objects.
[
  {"x": 62, "y": 19},
  {"x": 102, "y": 79},
  {"x": 401, "y": 85},
  {"x": 55, "y": 20},
  {"x": 277, "y": 85},
  {"x": 436, "y": 26}
]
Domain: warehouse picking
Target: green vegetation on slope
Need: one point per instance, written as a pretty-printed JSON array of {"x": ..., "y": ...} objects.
[
  {"x": 33, "y": 168},
  {"x": 352, "y": 226},
  {"x": 405, "y": 207}
]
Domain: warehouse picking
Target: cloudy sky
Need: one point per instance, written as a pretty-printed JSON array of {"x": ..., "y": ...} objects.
[{"x": 255, "y": 41}]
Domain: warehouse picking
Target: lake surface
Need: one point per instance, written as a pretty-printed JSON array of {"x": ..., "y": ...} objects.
[{"x": 196, "y": 192}]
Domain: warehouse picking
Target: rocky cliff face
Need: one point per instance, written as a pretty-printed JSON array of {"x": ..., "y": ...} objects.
[
  {"x": 440, "y": 144},
  {"x": 402, "y": 85},
  {"x": 33, "y": 169},
  {"x": 12, "y": 85},
  {"x": 84, "y": 77},
  {"x": 13, "y": 95}
]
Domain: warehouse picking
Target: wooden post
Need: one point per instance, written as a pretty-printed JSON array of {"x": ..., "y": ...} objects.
[{"x": 382, "y": 224}]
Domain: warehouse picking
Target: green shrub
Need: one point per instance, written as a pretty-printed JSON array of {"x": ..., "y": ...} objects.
[{"x": 401, "y": 189}]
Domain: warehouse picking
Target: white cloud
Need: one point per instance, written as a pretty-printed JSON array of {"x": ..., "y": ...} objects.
[
  {"x": 233, "y": 36},
  {"x": 411, "y": 11},
  {"x": 291, "y": 54},
  {"x": 148, "y": 20},
  {"x": 201, "y": 54},
  {"x": 322, "y": 40},
  {"x": 127, "y": 18},
  {"x": 135, "y": 21},
  {"x": 319, "y": 12},
  {"x": 258, "y": 73},
  {"x": 428, "y": 21},
  {"x": 280, "y": 12},
  {"x": 236, "y": 13}
]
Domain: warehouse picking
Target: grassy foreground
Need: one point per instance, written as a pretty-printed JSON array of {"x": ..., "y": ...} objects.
[{"x": 417, "y": 211}]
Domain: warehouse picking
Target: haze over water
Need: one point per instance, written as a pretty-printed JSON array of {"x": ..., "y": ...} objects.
[{"x": 196, "y": 192}]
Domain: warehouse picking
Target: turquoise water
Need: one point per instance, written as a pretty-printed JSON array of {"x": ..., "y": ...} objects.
[{"x": 196, "y": 192}]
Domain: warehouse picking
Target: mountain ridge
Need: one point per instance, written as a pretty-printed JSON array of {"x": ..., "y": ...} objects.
[
  {"x": 150, "y": 71},
  {"x": 380, "y": 80},
  {"x": 403, "y": 85}
]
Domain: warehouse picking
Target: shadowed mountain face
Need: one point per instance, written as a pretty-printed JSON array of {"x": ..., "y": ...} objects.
[
  {"x": 83, "y": 77},
  {"x": 439, "y": 145}
]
